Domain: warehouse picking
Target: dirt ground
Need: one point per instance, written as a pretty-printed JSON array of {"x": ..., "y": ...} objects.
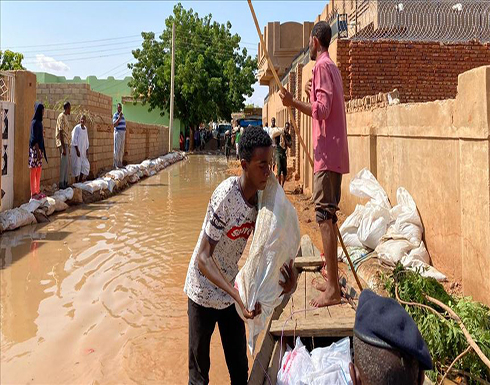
[{"x": 306, "y": 216}]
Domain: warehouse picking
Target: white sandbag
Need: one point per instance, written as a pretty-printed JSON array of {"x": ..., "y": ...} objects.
[
  {"x": 110, "y": 183},
  {"x": 132, "y": 169},
  {"x": 31, "y": 206},
  {"x": 59, "y": 205},
  {"x": 115, "y": 174},
  {"x": 15, "y": 218},
  {"x": 140, "y": 174},
  {"x": 134, "y": 178},
  {"x": 295, "y": 364},
  {"x": 152, "y": 172},
  {"x": 276, "y": 241},
  {"x": 348, "y": 230},
  {"x": 329, "y": 365},
  {"x": 373, "y": 225},
  {"x": 92, "y": 186},
  {"x": 64, "y": 195},
  {"x": 49, "y": 205},
  {"x": 403, "y": 240},
  {"x": 365, "y": 185}
]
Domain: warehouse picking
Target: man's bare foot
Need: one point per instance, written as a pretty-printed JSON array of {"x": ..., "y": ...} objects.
[
  {"x": 319, "y": 283},
  {"x": 329, "y": 297}
]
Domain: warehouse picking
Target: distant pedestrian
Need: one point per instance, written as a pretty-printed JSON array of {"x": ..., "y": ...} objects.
[
  {"x": 218, "y": 139},
  {"x": 119, "y": 136},
  {"x": 273, "y": 125},
  {"x": 79, "y": 153},
  {"x": 187, "y": 142},
  {"x": 36, "y": 150},
  {"x": 203, "y": 138},
  {"x": 227, "y": 144},
  {"x": 182, "y": 142},
  {"x": 283, "y": 141},
  {"x": 266, "y": 128},
  {"x": 237, "y": 141},
  {"x": 63, "y": 144}
]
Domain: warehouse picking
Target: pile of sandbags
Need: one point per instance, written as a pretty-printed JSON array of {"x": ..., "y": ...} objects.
[
  {"x": 392, "y": 234},
  {"x": 38, "y": 211}
]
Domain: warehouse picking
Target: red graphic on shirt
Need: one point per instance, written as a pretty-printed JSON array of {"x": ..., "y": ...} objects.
[{"x": 243, "y": 231}]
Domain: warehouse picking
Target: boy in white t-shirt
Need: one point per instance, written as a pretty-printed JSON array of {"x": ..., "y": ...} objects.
[
  {"x": 79, "y": 152},
  {"x": 229, "y": 221}
]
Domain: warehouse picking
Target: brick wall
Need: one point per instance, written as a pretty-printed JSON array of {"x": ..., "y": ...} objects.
[
  {"x": 421, "y": 71},
  {"x": 143, "y": 141},
  {"x": 80, "y": 96}
]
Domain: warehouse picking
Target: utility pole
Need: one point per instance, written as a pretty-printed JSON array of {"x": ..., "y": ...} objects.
[{"x": 171, "y": 122}]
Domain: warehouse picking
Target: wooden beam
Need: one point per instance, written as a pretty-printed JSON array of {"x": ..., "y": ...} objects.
[
  {"x": 314, "y": 327},
  {"x": 309, "y": 261}
]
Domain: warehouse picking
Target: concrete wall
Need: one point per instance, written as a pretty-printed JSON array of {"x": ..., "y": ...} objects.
[{"x": 440, "y": 152}]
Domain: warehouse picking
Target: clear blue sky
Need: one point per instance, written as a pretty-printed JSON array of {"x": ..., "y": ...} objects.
[{"x": 51, "y": 29}]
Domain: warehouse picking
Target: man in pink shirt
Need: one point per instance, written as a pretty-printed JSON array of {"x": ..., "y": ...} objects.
[{"x": 331, "y": 155}]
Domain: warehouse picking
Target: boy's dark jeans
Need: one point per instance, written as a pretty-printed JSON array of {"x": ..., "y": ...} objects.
[{"x": 202, "y": 321}]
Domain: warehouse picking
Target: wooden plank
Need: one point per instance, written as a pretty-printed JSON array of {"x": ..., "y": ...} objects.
[
  {"x": 308, "y": 261},
  {"x": 275, "y": 363},
  {"x": 314, "y": 327}
]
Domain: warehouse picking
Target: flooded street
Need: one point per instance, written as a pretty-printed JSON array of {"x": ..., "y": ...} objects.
[{"x": 96, "y": 296}]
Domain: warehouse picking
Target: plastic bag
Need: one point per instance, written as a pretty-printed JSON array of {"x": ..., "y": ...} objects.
[
  {"x": 324, "y": 366},
  {"x": 32, "y": 205},
  {"x": 295, "y": 364},
  {"x": 64, "y": 195},
  {"x": 15, "y": 218},
  {"x": 276, "y": 241},
  {"x": 350, "y": 226},
  {"x": 59, "y": 205}
]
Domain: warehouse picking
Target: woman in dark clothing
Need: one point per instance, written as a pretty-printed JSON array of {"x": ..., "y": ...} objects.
[{"x": 36, "y": 150}]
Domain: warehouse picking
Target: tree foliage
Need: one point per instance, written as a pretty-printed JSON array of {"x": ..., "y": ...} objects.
[
  {"x": 444, "y": 338},
  {"x": 11, "y": 61},
  {"x": 212, "y": 74}
]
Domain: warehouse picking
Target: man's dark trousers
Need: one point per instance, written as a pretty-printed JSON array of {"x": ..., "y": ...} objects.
[{"x": 202, "y": 321}]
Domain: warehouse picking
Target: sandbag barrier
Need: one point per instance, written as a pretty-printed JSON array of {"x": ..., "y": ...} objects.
[{"x": 114, "y": 181}]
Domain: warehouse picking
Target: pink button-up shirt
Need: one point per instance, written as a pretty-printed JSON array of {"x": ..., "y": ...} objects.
[{"x": 328, "y": 112}]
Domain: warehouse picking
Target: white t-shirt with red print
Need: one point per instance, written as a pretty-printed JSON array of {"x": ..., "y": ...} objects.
[{"x": 229, "y": 221}]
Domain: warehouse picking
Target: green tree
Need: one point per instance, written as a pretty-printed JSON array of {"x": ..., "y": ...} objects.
[
  {"x": 11, "y": 61},
  {"x": 212, "y": 74}
]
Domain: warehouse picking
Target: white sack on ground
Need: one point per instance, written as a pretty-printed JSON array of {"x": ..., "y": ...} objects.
[
  {"x": 403, "y": 240},
  {"x": 324, "y": 366},
  {"x": 367, "y": 224},
  {"x": 15, "y": 218},
  {"x": 59, "y": 205},
  {"x": 110, "y": 183},
  {"x": 32, "y": 205},
  {"x": 275, "y": 241},
  {"x": 64, "y": 195}
]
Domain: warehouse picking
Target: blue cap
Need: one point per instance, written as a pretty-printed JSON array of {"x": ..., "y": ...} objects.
[{"x": 384, "y": 323}]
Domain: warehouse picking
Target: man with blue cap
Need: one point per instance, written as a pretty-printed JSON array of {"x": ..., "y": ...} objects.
[{"x": 388, "y": 346}]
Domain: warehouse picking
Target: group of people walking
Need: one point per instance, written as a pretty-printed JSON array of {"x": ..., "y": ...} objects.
[{"x": 73, "y": 145}]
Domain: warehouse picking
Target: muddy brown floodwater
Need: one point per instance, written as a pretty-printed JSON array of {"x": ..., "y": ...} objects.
[{"x": 96, "y": 296}]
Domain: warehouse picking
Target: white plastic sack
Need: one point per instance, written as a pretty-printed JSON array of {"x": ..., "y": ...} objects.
[
  {"x": 50, "y": 205},
  {"x": 365, "y": 185},
  {"x": 134, "y": 178},
  {"x": 373, "y": 225},
  {"x": 15, "y": 218},
  {"x": 274, "y": 132},
  {"x": 64, "y": 195},
  {"x": 350, "y": 226},
  {"x": 324, "y": 366},
  {"x": 92, "y": 186},
  {"x": 276, "y": 241},
  {"x": 116, "y": 174},
  {"x": 403, "y": 240},
  {"x": 132, "y": 169},
  {"x": 295, "y": 364},
  {"x": 31, "y": 206},
  {"x": 110, "y": 183},
  {"x": 59, "y": 205}
]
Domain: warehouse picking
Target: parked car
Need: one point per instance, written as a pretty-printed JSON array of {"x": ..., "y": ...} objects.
[{"x": 222, "y": 128}]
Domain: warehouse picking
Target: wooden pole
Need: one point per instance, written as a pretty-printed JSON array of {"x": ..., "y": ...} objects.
[
  {"x": 293, "y": 122},
  {"x": 279, "y": 84}
]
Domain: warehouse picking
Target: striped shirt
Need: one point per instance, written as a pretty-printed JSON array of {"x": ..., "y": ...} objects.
[{"x": 121, "y": 126}]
